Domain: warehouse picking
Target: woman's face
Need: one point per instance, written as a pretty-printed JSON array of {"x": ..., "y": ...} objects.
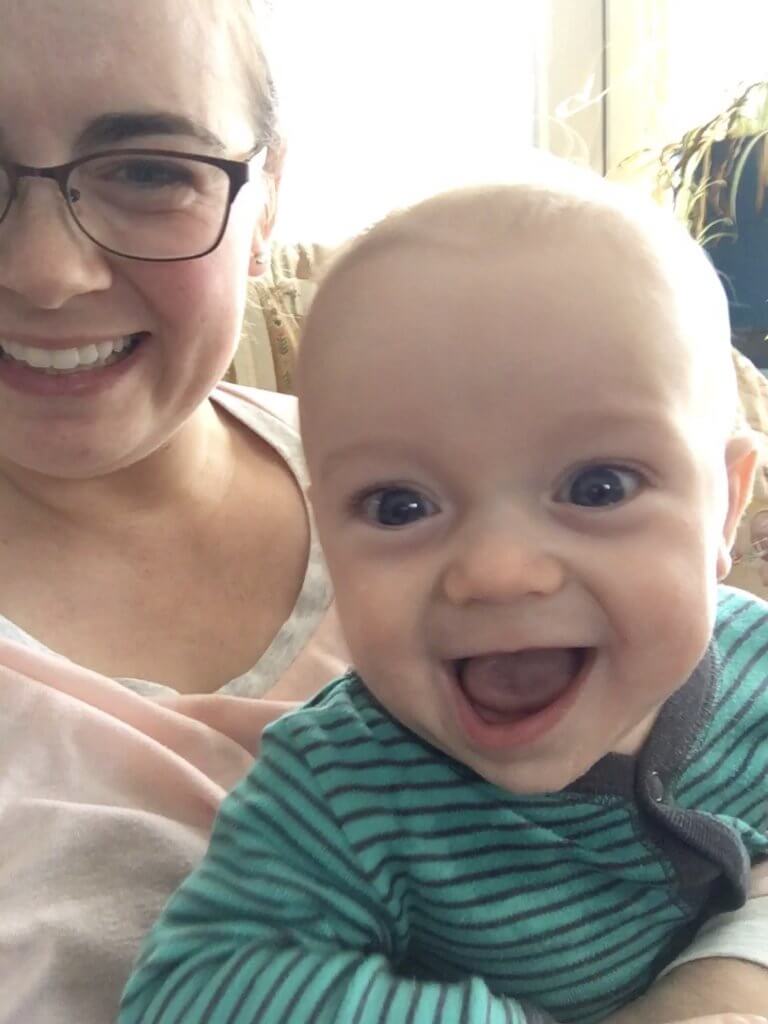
[{"x": 71, "y": 70}]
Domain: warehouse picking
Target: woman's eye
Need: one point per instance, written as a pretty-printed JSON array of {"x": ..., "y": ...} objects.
[
  {"x": 148, "y": 174},
  {"x": 600, "y": 486},
  {"x": 396, "y": 506}
]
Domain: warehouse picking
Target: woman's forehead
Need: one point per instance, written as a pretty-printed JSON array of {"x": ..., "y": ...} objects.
[{"x": 149, "y": 56}]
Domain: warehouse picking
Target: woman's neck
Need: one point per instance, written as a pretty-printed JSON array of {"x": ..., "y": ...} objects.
[{"x": 193, "y": 471}]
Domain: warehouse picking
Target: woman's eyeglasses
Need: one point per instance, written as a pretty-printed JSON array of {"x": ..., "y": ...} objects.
[{"x": 143, "y": 204}]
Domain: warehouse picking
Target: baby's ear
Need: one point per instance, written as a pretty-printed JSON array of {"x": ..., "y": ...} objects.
[{"x": 741, "y": 465}]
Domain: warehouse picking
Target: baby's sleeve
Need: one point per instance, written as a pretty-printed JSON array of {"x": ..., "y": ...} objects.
[{"x": 280, "y": 923}]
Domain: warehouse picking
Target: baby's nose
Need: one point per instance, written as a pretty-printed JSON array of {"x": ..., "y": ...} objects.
[{"x": 497, "y": 568}]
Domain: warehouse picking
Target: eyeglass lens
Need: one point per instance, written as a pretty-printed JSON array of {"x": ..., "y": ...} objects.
[{"x": 148, "y": 207}]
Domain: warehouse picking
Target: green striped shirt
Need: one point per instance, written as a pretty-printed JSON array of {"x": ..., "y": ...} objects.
[{"x": 359, "y": 876}]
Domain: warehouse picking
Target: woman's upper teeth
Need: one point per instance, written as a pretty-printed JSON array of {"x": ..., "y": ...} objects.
[{"x": 64, "y": 358}]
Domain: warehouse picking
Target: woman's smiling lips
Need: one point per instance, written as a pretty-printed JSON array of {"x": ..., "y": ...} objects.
[
  {"x": 505, "y": 700},
  {"x": 62, "y": 368}
]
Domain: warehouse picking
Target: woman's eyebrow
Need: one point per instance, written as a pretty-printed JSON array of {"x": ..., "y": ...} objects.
[{"x": 118, "y": 127}]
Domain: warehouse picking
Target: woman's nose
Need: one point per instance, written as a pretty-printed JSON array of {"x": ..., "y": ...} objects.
[
  {"x": 44, "y": 257},
  {"x": 495, "y": 566}
]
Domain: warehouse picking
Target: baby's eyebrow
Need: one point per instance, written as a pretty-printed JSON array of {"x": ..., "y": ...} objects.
[
  {"x": 599, "y": 419},
  {"x": 362, "y": 451},
  {"x": 108, "y": 129}
]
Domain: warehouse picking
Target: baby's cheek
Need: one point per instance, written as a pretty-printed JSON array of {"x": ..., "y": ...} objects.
[
  {"x": 385, "y": 632},
  {"x": 676, "y": 615},
  {"x": 368, "y": 611},
  {"x": 384, "y": 641}
]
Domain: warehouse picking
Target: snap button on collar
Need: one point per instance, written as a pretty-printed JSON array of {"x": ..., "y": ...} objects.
[{"x": 655, "y": 787}]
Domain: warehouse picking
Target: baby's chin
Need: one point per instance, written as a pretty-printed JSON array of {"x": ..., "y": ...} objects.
[
  {"x": 534, "y": 774},
  {"x": 540, "y": 773},
  {"x": 632, "y": 741}
]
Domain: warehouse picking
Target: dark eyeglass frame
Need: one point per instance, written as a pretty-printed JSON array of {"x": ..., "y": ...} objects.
[{"x": 238, "y": 172}]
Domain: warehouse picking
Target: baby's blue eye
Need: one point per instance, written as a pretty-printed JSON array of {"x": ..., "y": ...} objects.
[
  {"x": 396, "y": 506},
  {"x": 600, "y": 486}
]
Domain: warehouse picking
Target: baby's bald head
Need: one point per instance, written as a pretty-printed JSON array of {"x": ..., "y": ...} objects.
[{"x": 499, "y": 232}]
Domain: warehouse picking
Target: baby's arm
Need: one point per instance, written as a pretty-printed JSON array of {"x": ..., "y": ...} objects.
[
  {"x": 279, "y": 924},
  {"x": 700, "y": 987},
  {"x": 724, "y": 1018}
]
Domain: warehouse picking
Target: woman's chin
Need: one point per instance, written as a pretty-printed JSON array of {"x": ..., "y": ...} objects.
[{"x": 77, "y": 453}]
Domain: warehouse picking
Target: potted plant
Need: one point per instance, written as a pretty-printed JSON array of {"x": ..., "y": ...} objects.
[{"x": 718, "y": 177}]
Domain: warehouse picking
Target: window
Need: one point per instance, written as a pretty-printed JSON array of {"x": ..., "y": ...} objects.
[
  {"x": 673, "y": 64},
  {"x": 387, "y": 101}
]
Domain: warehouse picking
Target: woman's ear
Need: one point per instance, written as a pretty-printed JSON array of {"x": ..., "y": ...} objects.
[
  {"x": 741, "y": 465},
  {"x": 273, "y": 172}
]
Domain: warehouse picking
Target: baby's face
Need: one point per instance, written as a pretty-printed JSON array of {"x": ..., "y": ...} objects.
[{"x": 522, "y": 506}]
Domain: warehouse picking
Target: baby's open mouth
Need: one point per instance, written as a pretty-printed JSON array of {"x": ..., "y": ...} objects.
[{"x": 507, "y": 687}]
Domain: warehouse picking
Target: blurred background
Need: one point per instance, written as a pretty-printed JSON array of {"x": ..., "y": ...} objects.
[{"x": 388, "y": 100}]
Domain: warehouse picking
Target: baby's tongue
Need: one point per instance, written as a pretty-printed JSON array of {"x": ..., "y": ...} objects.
[{"x": 525, "y": 681}]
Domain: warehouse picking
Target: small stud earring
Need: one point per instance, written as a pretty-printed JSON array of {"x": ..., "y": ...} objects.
[{"x": 262, "y": 256}]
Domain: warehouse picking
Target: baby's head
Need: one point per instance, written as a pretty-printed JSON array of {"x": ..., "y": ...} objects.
[{"x": 519, "y": 413}]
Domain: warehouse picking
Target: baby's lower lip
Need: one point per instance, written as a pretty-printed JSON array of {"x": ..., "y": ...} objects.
[{"x": 493, "y": 731}]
